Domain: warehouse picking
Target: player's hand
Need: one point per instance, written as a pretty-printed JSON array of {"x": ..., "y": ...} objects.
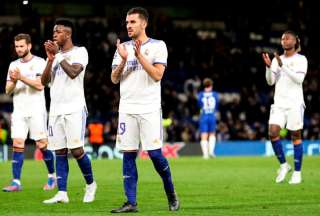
[
  {"x": 278, "y": 59},
  {"x": 50, "y": 53},
  {"x": 137, "y": 47},
  {"x": 12, "y": 76},
  {"x": 51, "y": 46},
  {"x": 15, "y": 75},
  {"x": 266, "y": 59},
  {"x": 122, "y": 50}
]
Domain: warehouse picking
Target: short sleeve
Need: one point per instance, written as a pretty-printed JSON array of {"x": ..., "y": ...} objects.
[
  {"x": 161, "y": 54},
  {"x": 12, "y": 66},
  {"x": 116, "y": 60},
  {"x": 42, "y": 65},
  {"x": 81, "y": 57}
]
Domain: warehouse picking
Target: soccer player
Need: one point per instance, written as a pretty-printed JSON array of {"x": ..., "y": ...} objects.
[
  {"x": 29, "y": 110},
  {"x": 65, "y": 69},
  {"x": 208, "y": 101},
  {"x": 287, "y": 72},
  {"x": 139, "y": 65}
]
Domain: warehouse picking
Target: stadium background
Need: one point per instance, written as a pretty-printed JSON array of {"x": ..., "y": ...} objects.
[{"x": 223, "y": 42}]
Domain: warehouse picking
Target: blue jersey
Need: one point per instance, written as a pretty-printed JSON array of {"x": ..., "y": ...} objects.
[{"x": 208, "y": 103}]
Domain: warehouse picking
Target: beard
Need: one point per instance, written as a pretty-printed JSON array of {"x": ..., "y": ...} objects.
[
  {"x": 289, "y": 48},
  {"x": 24, "y": 54}
]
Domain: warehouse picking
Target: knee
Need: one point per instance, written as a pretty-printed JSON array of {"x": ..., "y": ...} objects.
[
  {"x": 42, "y": 144},
  {"x": 273, "y": 134},
  {"x": 77, "y": 153},
  {"x": 296, "y": 137},
  {"x": 155, "y": 154},
  {"x": 61, "y": 151},
  {"x": 18, "y": 143}
]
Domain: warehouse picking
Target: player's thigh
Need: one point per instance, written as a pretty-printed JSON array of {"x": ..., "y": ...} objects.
[
  {"x": 212, "y": 124},
  {"x": 56, "y": 133},
  {"x": 75, "y": 129},
  {"x": 278, "y": 116},
  {"x": 203, "y": 125},
  {"x": 151, "y": 130},
  {"x": 19, "y": 126},
  {"x": 128, "y": 134},
  {"x": 38, "y": 126},
  {"x": 295, "y": 118}
]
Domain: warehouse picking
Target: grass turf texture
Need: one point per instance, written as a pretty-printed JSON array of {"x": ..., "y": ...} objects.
[{"x": 220, "y": 186}]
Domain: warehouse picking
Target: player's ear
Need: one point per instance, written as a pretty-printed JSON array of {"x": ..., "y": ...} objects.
[{"x": 144, "y": 24}]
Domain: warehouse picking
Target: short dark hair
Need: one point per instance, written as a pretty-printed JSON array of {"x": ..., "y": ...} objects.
[
  {"x": 143, "y": 13},
  {"x": 23, "y": 36},
  {"x": 65, "y": 22},
  {"x": 207, "y": 82},
  {"x": 297, "y": 46}
]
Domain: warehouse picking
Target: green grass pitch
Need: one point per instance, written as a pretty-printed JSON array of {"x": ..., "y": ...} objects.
[{"x": 220, "y": 186}]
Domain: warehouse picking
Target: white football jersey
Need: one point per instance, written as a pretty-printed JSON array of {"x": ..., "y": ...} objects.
[
  {"x": 28, "y": 101},
  {"x": 139, "y": 93},
  {"x": 288, "y": 80},
  {"x": 67, "y": 95}
]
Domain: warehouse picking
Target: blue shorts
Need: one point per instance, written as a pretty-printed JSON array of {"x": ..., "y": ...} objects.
[{"x": 207, "y": 124}]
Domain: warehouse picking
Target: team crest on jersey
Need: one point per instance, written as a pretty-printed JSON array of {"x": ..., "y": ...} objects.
[
  {"x": 156, "y": 141},
  {"x": 291, "y": 64},
  {"x": 31, "y": 68},
  {"x": 146, "y": 52}
]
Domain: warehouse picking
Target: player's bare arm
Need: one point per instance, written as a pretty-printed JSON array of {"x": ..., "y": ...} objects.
[
  {"x": 72, "y": 70},
  {"x": 11, "y": 84},
  {"x": 266, "y": 59},
  {"x": 155, "y": 71},
  {"x": 36, "y": 84},
  {"x": 46, "y": 75},
  {"x": 116, "y": 73}
]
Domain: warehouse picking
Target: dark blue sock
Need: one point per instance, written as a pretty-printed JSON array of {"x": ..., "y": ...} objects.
[
  {"x": 130, "y": 176},
  {"x": 278, "y": 151},
  {"x": 62, "y": 167},
  {"x": 85, "y": 166},
  {"x": 298, "y": 154},
  {"x": 48, "y": 159},
  {"x": 161, "y": 164},
  {"x": 17, "y": 162}
]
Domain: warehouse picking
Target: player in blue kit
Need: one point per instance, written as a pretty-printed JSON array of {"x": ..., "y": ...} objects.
[{"x": 208, "y": 101}]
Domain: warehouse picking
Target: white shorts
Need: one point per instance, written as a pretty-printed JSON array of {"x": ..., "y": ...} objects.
[
  {"x": 36, "y": 125},
  {"x": 291, "y": 118},
  {"x": 134, "y": 129},
  {"x": 67, "y": 131}
]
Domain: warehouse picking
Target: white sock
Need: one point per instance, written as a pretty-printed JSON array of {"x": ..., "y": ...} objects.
[
  {"x": 204, "y": 148},
  {"x": 17, "y": 181},
  {"x": 284, "y": 165},
  {"x": 51, "y": 175},
  {"x": 212, "y": 144},
  {"x": 62, "y": 193}
]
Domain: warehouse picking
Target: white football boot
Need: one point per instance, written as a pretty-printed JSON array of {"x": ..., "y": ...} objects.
[
  {"x": 60, "y": 197},
  {"x": 282, "y": 172},
  {"x": 91, "y": 189}
]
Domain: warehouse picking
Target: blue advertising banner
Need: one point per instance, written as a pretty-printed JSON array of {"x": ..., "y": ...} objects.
[
  {"x": 262, "y": 148},
  {"x": 177, "y": 149}
]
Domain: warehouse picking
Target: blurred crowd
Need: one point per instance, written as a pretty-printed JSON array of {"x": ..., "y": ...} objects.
[{"x": 231, "y": 58}]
